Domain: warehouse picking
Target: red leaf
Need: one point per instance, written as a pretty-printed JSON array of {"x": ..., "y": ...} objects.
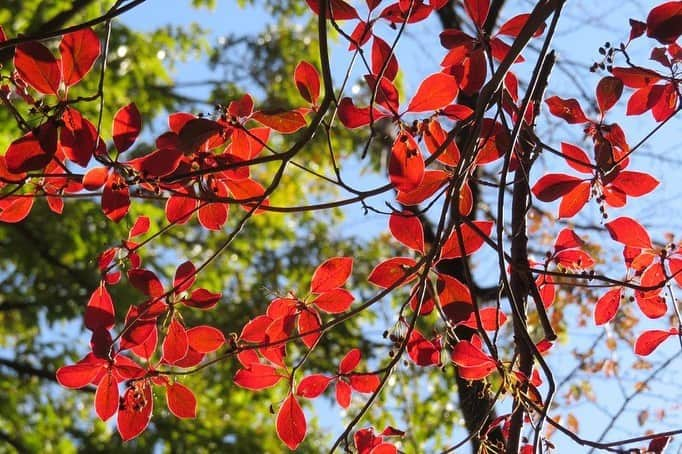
[
  {"x": 205, "y": 339},
  {"x": 125, "y": 368},
  {"x": 434, "y": 138},
  {"x": 433, "y": 180},
  {"x": 146, "y": 282},
  {"x": 457, "y": 112},
  {"x": 667, "y": 103},
  {"x": 115, "y": 202},
  {"x": 465, "y": 354},
  {"x": 397, "y": 12},
  {"x": 106, "y": 397},
  {"x": 137, "y": 330},
  {"x": 56, "y": 204},
  {"x": 79, "y": 51},
  {"x": 355, "y": 117},
  {"x": 158, "y": 163},
  {"x": 575, "y": 200},
  {"x": 343, "y": 393},
  {"x": 664, "y": 22},
  {"x": 257, "y": 377},
  {"x": 567, "y": 239},
  {"x": 477, "y": 10},
  {"x": 313, "y": 386},
  {"x": 140, "y": 227},
  {"x": 407, "y": 228},
  {"x": 336, "y": 9},
  {"x": 491, "y": 319},
  {"x": 127, "y": 126},
  {"x": 607, "y": 306},
  {"x": 388, "y": 273},
  {"x": 15, "y": 209},
  {"x": 254, "y": 330},
  {"x": 291, "y": 424},
  {"x": 576, "y": 158},
  {"x": 386, "y": 92},
  {"x": 650, "y": 302},
  {"x": 637, "y": 29},
  {"x": 629, "y": 232},
  {"x": 307, "y": 81},
  {"x": 181, "y": 401},
  {"x": 634, "y": 184},
  {"x": 422, "y": 351},
  {"x": 95, "y": 178},
  {"x": 184, "y": 277},
  {"x": 331, "y": 274},
  {"x": 282, "y": 307},
  {"x": 242, "y": 107},
  {"x": 547, "y": 291},
  {"x": 365, "y": 383},
  {"x": 213, "y": 216},
  {"x": 406, "y": 165},
  {"x": 568, "y": 109},
  {"x": 99, "y": 313},
  {"x": 499, "y": 50},
  {"x": 8, "y": 177},
  {"x": 493, "y": 143},
  {"x": 382, "y": 55},
  {"x": 360, "y": 35},
  {"x": 384, "y": 448},
  {"x": 191, "y": 359},
  {"x": 609, "y": 90},
  {"x": 33, "y": 151},
  {"x": 471, "y": 239},
  {"x": 309, "y": 320},
  {"x": 248, "y": 144},
  {"x": 649, "y": 340},
  {"x": 350, "y": 361},
  {"x": 195, "y": 133},
  {"x": 248, "y": 357},
  {"x": 372, "y": 4},
  {"x": 636, "y": 77},
  {"x": 658, "y": 444},
  {"x": 203, "y": 299},
  {"x": 286, "y": 122},
  {"x": 334, "y": 301},
  {"x": 555, "y": 185},
  {"x": 436, "y": 91},
  {"x": 178, "y": 120},
  {"x": 80, "y": 374},
  {"x": 514, "y": 26},
  {"x": 455, "y": 298},
  {"x": 614, "y": 197},
  {"x": 179, "y": 209},
  {"x": 135, "y": 412},
  {"x": 365, "y": 441},
  {"x": 79, "y": 139},
  {"x": 38, "y": 67},
  {"x": 248, "y": 190},
  {"x": 176, "y": 344},
  {"x": 574, "y": 259},
  {"x": 146, "y": 349}
]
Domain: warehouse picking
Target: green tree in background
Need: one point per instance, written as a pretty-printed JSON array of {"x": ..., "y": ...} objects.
[
  {"x": 48, "y": 266},
  {"x": 329, "y": 162}
]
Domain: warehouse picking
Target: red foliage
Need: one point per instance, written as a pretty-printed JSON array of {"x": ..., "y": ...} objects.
[{"x": 442, "y": 153}]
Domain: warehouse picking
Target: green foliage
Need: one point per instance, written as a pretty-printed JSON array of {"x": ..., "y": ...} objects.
[{"x": 48, "y": 264}]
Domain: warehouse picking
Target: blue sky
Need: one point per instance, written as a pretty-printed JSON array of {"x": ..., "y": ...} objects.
[{"x": 585, "y": 26}]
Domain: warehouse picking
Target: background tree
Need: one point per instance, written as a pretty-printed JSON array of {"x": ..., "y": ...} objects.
[{"x": 269, "y": 257}]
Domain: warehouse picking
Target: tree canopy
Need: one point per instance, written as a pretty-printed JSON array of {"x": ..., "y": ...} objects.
[{"x": 315, "y": 243}]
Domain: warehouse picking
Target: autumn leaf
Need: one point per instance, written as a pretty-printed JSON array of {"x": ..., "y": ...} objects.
[{"x": 291, "y": 423}]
